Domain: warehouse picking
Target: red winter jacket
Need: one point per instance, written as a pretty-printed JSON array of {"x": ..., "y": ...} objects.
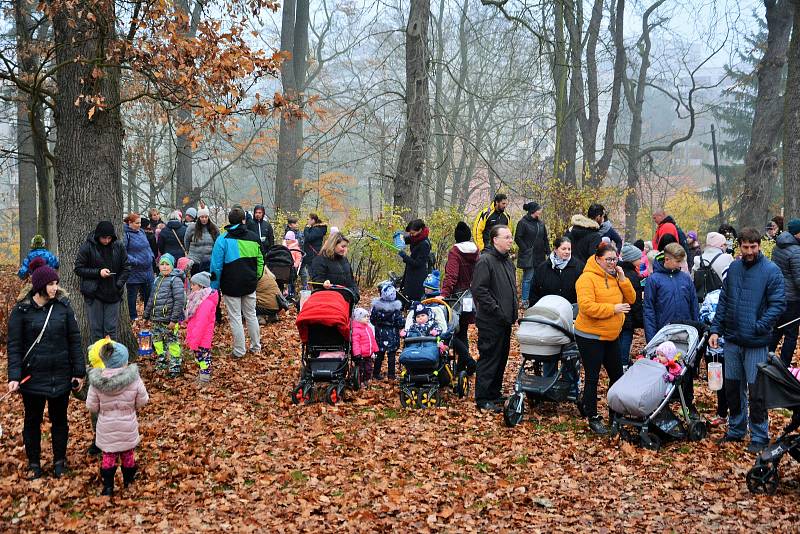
[
  {"x": 667, "y": 226},
  {"x": 364, "y": 343}
]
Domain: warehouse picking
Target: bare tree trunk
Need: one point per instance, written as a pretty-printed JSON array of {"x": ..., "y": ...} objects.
[
  {"x": 294, "y": 39},
  {"x": 617, "y": 24},
  {"x": 761, "y": 161},
  {"x": 184, "y": 191},
  {"x": 411, "y": 162},
  {"x": 26, "y": 172},
  {"x": 88, "y": 150},
  {"x": 590, "y": 121},
  {"x": 791, "y": 128}
]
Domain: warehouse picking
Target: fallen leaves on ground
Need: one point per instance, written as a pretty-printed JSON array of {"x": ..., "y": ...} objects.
[{"x": 238, "y": 456}]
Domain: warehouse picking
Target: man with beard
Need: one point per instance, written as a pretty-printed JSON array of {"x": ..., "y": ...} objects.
[
  {"x": 750, "y": 303},
  {"x": 489, "y": 218}
]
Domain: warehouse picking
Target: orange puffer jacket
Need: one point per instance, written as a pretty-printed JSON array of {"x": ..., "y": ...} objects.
[{"x": 598, "y": 292}]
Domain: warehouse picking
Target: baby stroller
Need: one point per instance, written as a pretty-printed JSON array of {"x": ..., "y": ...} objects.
[
  {"x": 280, "y": 261},
  {"x": 777, "y": 388},
  {"x": 545, "y": 336},
  {"x": 425, "y": 368},
  {"x": 324, "y": 327},
  {"x": 641, "y": 398}
]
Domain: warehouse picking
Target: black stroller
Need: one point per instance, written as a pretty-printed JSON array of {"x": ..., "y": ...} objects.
[
  {"x": 280, "y": 262},
  {"x": 545, "y": 336},
  {"x": 777, "y": 388},
  {"x": 325, "y": 331}
]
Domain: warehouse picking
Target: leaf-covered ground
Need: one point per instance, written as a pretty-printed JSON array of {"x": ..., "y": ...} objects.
[{"x": 238, "y": 456}]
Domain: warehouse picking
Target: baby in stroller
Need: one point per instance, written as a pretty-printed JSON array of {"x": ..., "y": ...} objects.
[{"x": 424, "y": 324}]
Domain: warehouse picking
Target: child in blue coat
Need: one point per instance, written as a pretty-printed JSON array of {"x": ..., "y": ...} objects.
[{"x": 38, "y": 250}]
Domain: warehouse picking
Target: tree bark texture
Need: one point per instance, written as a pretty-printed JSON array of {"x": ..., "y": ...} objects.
[
  {"x": 791, "y": 127},
  {"x": 88, "y": 150},
  {"x": 761, "y": 162},
  {"x": 26, "y": 172},
  {"x": 411, "y": 161},
  {"x": 620, "y": 61},
  {"x": 294, "y": 39}
]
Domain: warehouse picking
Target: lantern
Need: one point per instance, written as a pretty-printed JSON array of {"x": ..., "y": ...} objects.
[{"x": 145, "y": 343}]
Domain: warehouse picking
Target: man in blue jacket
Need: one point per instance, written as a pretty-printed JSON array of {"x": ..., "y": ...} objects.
[
  {"x": 750, "y": 303},
  {"x": 670, "y": 296}
]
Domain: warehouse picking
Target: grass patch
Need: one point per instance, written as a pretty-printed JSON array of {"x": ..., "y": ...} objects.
[
  {"x": 389, "y": 413},
  {"x": 461, "y": 461},
  {"x": 248, "y": 482},
  {"x": 521, "y": 460},
  {"x": 299, "y": 476},
  {"x": 482, "y": 467}
]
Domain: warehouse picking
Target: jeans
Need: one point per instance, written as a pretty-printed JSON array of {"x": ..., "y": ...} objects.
[
  {"x": 596, "y": 353},
  {"x": 103, "y": 319},
  {"x": 237, "y": 306},
  {"x": 494, "y": 343},
  {"x": 527, "y": 282},
  {"x": 133, "y": 291},
  {"x": 32, "y": 428},
  {"x": 740, "y": 374},
  {"x": 789, "y": 333},
  {"x": 625, "y": 342}
]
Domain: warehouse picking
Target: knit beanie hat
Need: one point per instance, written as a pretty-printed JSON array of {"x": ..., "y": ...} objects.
[
  {"x": 203, "y": 211},
  {"x": 43, "y": 276},
  {"x": 462, "y": 233},
  {"x": 175, "y": 215},
  {"x": 359, "y": 314},
  {"x": 668, "y": 350},
  {"x": 191, "y": 212},
  {"x": 104, "y": 229},
  {"x": 290, "y": 236},
  {"x": 715, "y": 239},
  {"x": 388, "y": 293},
  {"x": 35, "y": 263},
  {"x": 37, "y": 241},
  {"x": 420, "y": 309},
  {"x": 114, "y": 355},
  {"x": 630, "y": 253},
  {"x": 692, "y": 235},
  {"x": 202, "y": 279},
  {"x": 639, "y": 243},
  {"x": 794, "y": 226},
  {"x": 167, "y": 258}
]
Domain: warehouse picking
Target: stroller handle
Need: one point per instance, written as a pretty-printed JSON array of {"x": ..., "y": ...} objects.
[{"x": 424, "y": 339}]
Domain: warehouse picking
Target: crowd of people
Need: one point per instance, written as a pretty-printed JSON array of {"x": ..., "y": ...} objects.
[{"x": 185, "y": 269}]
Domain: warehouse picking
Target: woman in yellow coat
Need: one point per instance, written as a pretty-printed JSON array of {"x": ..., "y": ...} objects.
[{"x": 605, "y": 295}]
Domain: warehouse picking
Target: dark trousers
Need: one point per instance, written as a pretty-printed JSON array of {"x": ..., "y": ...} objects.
[
  {"x": 595, "y": 354},
  {"x": 494, "y": 343},
  {"x": 134, "y": 290},
  {"x": 103, "y": 319},
  {"x": 789, "y": 334},
  {"x": 32, "y": 428},
  {"x": 461, "y": 346},
  {"x": 390, "y": 363}
]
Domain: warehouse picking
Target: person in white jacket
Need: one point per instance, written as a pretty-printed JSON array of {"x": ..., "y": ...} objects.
[{"x": 715, "y": 251}]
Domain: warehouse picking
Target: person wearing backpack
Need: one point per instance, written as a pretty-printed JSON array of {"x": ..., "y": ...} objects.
[
  {"x": 786, "y": 255},
  {"x": 418, "y": 261},
  {"x": 711, "y": 267}
]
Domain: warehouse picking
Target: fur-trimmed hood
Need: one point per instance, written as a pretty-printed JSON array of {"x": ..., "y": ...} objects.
[
  {"x": 583, "y": 221},
  {"x": 385, "y": 306},
  {"x": 25, "y": 297},
  {"x": 111, "y": 380}
]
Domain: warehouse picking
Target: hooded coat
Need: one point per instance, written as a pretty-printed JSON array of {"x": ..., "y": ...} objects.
[
  {"x": 750, "y": 303},
  {"x": 199, "y": 249},
  {"x": 551, "y": 281},
  {"x": 170, "y": 239},
  {"x": 57, "y": 358},
  {"x": 262, "y": 229},
  {"x": 115, "y": 395},
  {"x": 786, "y": 256},
  {"x": 92, "y": 257},
  {"x": 49, "y": 258},
  {"x": 267, "y": 293},
  {"x": 416, "y": 265},
  {"x": 200, "y": 326},
  {"x": 669, "y": 297},
  {"x": 387, "y": 318},
  {"x": 140, "y": 256},
  {"x": 364, "y": 341},
  {"x": 666, "y": 226},
  {"x": 237, "y": 261},
  {"x": 598, "y": 293},
  {"x": 584, "y": 236},
  {"x": 532, "y": 242},
  {"x": 460, "y": 266}
]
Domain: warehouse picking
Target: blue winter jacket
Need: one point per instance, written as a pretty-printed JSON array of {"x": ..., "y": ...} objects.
[
  {"x": 750, "y": 304},
  {"x": 45, "y": 254},
  {"x": 669, "y": 297},
  {"x": 140, "y": 256}
]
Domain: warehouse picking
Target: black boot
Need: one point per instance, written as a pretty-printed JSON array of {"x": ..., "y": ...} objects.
[
  {"x": 59, "y": 468},
  {"x": 108, "y": 480},
  {"x": 34, "y": 471},
  {"x": 94, "y": 450},
  {"x": 376, "y": 369},
  {"x": 129, "y": 475},
  {"x": 391, "y": 365}
]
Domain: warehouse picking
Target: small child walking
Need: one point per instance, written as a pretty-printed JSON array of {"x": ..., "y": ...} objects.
[
  {"x": 115, "y": 393},
  {"x": 387, "y": 318},
  {"x": 364, "y": 345},
  {"x": 200, "y": 309},
  {"x": 165, "y": 310}
]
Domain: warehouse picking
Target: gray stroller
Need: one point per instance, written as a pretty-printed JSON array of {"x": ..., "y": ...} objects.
[{"x": 641, "y": 398}]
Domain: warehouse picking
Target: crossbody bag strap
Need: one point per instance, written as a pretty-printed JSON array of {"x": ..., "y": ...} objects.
[
  {"x": 39, "y": 337},
  {"x": 178, "y": 240}
]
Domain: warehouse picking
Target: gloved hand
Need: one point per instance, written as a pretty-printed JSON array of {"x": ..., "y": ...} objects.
[{"x": 402, "y": 253}]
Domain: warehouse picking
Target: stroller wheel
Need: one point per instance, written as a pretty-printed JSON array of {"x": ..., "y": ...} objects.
[
  {"x": 409, "y": 397},
  {"x": 649, "y": 441},
  {"x": 462, "y": 385},
  {"x": 301, "y": 394},
  {"x": 430, "y": 398},
  {"x": 697, "y": 430},
  {"x": 333, "y": 394},
  {"x": 514, "y": 410},
  {"x": 355, "y": 378},
  {"x": 763, "y": 479}
]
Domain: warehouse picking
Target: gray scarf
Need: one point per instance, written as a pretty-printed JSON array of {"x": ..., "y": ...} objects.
[{"x": 557, "y": 262}]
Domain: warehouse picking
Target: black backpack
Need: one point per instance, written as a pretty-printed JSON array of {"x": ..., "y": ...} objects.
[
  {"x": 682, "y": 241},
  {"x": 706, "y": 279}
]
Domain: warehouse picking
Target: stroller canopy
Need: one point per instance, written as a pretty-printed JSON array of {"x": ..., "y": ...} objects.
[
  {"x": 279, "y": 255},
  {"x": 554, "y": 309},
  {"x": 776, "y": 386},
  {"x": 685, "y": 337},
  {"x": 325, "y": 308},
  {"x": 547, "y": 326}
]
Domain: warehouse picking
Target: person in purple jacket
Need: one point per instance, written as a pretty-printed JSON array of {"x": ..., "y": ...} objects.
[{"x": 140, "y": 258}]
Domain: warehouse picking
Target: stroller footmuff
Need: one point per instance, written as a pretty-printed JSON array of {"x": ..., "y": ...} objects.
[
  {"x": 327, "y": 366},
  {"x": 546, "y": 338},
  {"x": 776, "y": 387}
]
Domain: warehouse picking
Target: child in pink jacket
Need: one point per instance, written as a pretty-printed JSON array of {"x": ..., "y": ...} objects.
[
  {"x": 115, "y": 393},
  {"x": 201, "y": 307},
  {"x": 364, "y": 344}
]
